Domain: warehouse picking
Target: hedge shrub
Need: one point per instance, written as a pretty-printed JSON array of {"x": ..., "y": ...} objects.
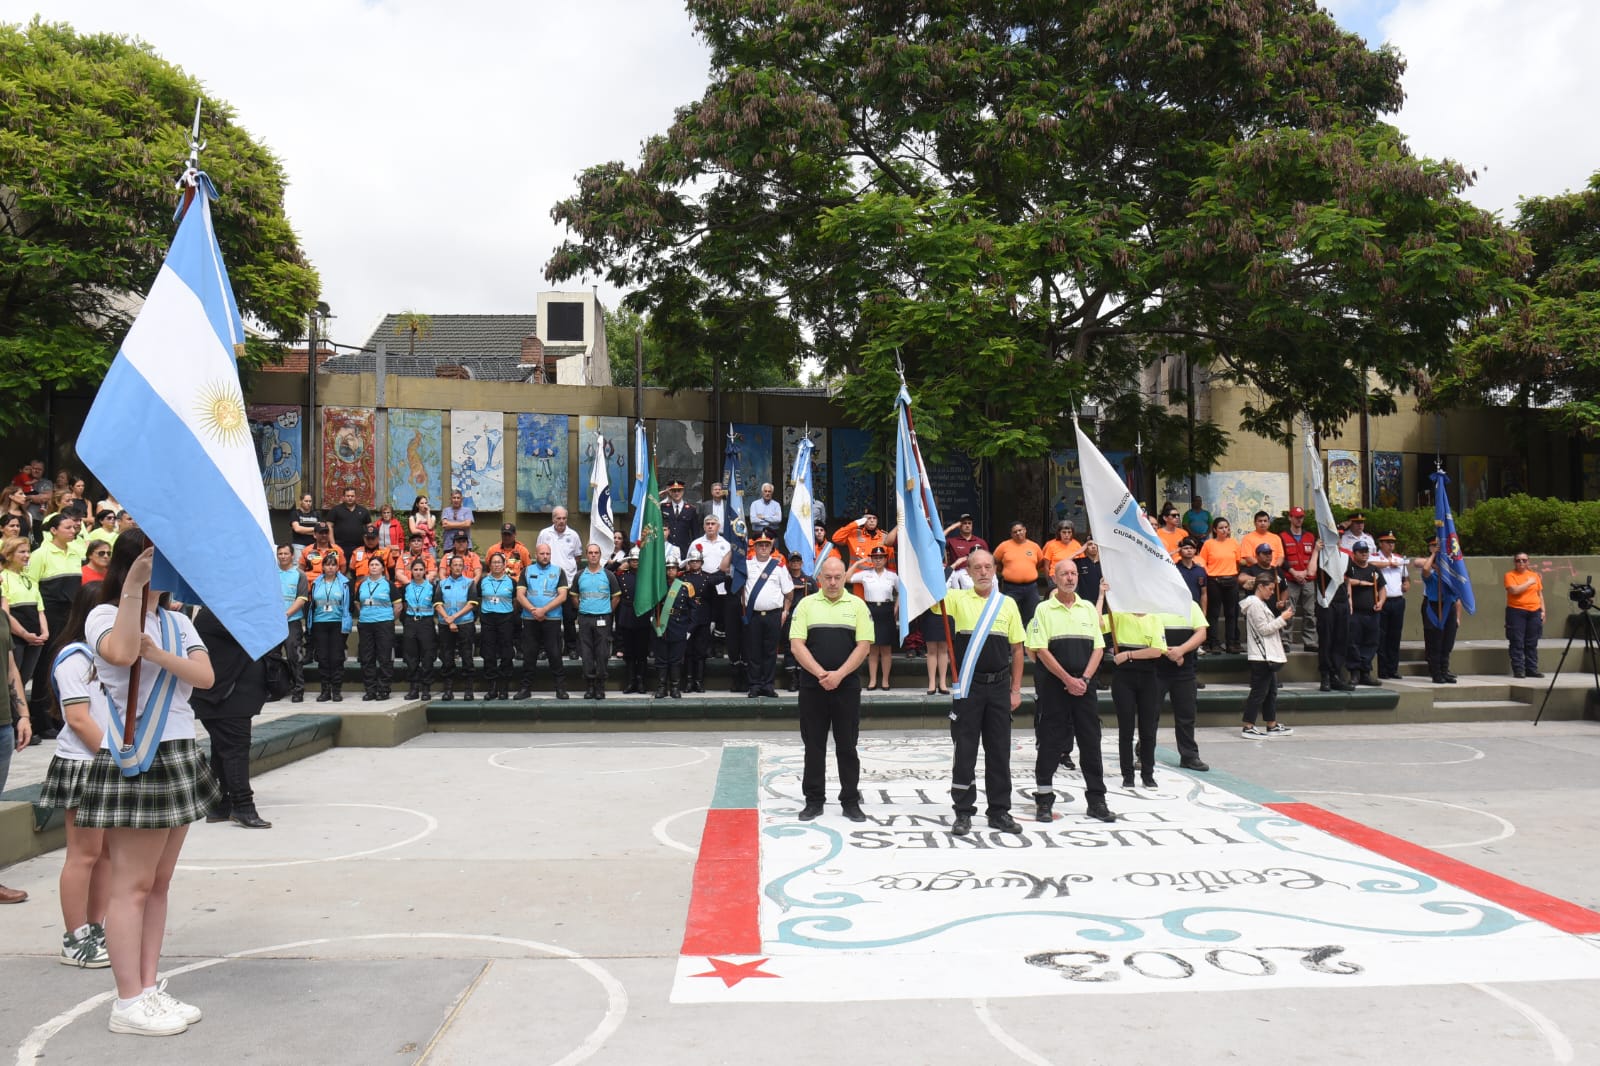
[{"x": 1502, "y": 526}]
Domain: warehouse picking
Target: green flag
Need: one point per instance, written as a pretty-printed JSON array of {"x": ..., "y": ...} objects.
[{"x": 652, "y": 583}]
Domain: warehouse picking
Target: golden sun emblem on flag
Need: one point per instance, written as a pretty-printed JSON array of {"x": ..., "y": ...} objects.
[
  {"x": 221, "y": 411},
  {"x": 805, "y": 511}
]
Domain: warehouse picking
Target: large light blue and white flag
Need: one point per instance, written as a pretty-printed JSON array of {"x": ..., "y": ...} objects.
[
  {"x": 601, "y": 523},
  {"x": 797, "y": 534},
  {"x": 1330, "y": 560},
  {"x": 1135, "y": 562},
  {"x": 737, "y": 531},
  {"x": 918, "y": 540},
  {"x": 641, "y": 476},
  {"x": 167, "y": 436}
]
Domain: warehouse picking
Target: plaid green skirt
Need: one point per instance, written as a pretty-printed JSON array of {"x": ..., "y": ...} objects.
[
  {"x": 63, "y": 782},
  {"x": 176, "y": 790}
]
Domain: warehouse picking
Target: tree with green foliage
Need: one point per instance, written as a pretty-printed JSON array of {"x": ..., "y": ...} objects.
[
  {"x": 95, "y": 133},
  {"x": 1544, "y": 351},
  {"x": 1027, "y": 204},
  {"x": 414, "y": 326},
  {"x": 691, "y": 370}
]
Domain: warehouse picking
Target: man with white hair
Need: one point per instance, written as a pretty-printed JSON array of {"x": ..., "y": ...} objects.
[
  {"x": 984, "y": 715},
  {"x": 766, "y": 514},
  {"x": 566, "y": 549}
]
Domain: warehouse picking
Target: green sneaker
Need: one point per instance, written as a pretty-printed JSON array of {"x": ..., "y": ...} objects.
[{"x": 87, "y": 952}]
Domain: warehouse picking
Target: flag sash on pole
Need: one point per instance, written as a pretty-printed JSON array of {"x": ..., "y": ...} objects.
[
  {"x": 797, "y": 534},
  {"x": 980, "y": 634},
  {"x": 642, "y": 471},
  {"x": 1136, "y": 563},
  {"x": 602, "y": 525},
  {"x": 920, "y": 573}
]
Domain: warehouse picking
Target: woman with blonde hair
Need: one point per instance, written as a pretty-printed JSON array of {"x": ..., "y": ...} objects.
[{"x": 25, "y": 618}]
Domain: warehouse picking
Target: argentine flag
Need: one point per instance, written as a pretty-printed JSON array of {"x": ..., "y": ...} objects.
[
  {"x": 641, "y": 468},
  {"x": 1137, "y": 565},
  {"x": 600, "y": 520},
  {"x": 797, "y": 535},
  {"x": 167, "y": 436},
  {"x": 920, "y": 544}
]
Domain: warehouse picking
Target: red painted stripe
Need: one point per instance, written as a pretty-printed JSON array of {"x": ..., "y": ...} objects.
[
  {"x": 725, "y": 902},
  {"x": 1556, "y": 913}
]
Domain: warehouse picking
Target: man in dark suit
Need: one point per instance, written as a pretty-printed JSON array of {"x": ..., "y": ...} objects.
[{"x": 681, "y": 520}]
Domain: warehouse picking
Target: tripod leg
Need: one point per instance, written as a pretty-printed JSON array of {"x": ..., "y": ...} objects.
[{"x": 1553, "y": 677}]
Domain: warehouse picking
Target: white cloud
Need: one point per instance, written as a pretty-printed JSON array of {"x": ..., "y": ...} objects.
[{"x": 425, "y": 142}]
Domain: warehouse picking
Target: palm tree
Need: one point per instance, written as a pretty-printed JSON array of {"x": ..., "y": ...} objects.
[{"x": 416, "y": 324}]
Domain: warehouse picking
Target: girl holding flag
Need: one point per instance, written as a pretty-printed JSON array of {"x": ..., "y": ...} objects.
[{"x": 145, "y": 798}]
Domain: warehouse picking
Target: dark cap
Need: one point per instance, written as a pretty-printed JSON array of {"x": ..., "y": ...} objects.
[
  {"x": 869, "y": 512},
  {"x": 1189, "y": 542},
  {"x": 1297, "y": 512},
  {"x": 675, "y": 484},
  {"x": 879, "y": 553},
  {"x": 819, "y": 524},
  {"x": 964, "y": 518},
  {"x": 372, "y": 531},
  {"x": 1360, "y": 546},
  {"x": 460, "y": 534},
  {"x": 1263, "y": 548},
  {"x": 321, "y": 527},
  {"x": 762, "y": 538},
  {"x": 1387, "y": 534},
  {"x": 416, "y": 536},
  {"x": 508, "y": 528},
  {"x": 1355, "y": 516}
]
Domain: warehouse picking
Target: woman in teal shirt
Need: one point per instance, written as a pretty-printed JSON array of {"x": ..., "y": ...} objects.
[
  {"x": 330, "y": 622},
  {"x": 419, "y": 636},
  {"x": 375, "y": 603}
]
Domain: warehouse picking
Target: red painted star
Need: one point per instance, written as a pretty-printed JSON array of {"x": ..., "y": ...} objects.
[{"x": 734, "y": 972}]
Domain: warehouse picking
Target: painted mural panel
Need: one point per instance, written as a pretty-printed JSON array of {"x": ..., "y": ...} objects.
[
  {"x": 477, "y": 458},
  {"x": 542, "y": 453},
  {"x": 855, "y": 486},
  {"x": 416, "y": 457},
  {"x": 1238, "y": 494},
  {"x": 1344, "y": 478},
  {"x": 680, "y": 453},
  {"x": 275, "y": 428},
  {"x": 618, "y": 434},
  {"x": 349, "y": 455}
]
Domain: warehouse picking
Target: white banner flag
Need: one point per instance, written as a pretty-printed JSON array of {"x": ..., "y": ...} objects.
[
  {"x": 1330, "y": 560},
  {"x": 600, "y": 522},
  {"x": 1136, "y": 564}
]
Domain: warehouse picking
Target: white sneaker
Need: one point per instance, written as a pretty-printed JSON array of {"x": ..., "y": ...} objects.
[
  {"x": 87, "y": 952},
  {"x": 147, "y": 1017},
  {"x": 1278, "y": 731},
  {"x": 1253, "y": 731},
  {"x": 187, "y": 1011}
]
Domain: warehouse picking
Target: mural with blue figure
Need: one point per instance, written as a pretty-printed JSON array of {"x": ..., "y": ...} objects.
[
  {"x": 541, "y": 463},
  {"x": 618, "y": 434},
  {"x": 477, "y": 458}
]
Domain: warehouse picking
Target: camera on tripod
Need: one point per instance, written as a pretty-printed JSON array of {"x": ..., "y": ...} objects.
[{"x": 1582, "y": 593}]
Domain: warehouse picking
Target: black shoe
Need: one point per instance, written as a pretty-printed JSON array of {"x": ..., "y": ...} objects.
[
  {"x": 325, "y": 695},
  {"x": 1004, "y": 823},
  {"x": 1127, "y": 780},
  {"x": 561, "y": 691},
  {"x": 1534, "y": 673},
  {"x": 770, "y": 692},
  {"x": 1147, "y": 781},
  {"x": 1042, "y": 802},
  {"x": 1369, "y": 681},
  {"x": 1066, "y": 762},
  {"x": 853, "y": 812},
  {"x": 1438, "y": 679},
  {"x": 219, "y": 816},
  {"x": 600, "y": 690},
  {"x": 427, "y": 693},
  {"x": 754, "y": 693},
  {"x": 367, "y": 696},
  {"x": 1450, "y": 678},
  {"x": 811, "y": 810},
  {"x": 1342, "y": 685},
  {"x": 1193, "y": 763},
  {"x": 1100, "y": 812},
  {"x": 466, "y": 693},
  {"x": 412, "y": 693},
  {"x": 297, "y": 697},
  {"x": 1518, "y": 673},
  {"x": 962, "y": 825},
  {"x": 1326, "y": 686},
  {"x": 338, "y": 695},
  {"x": 250, "y": 820}
]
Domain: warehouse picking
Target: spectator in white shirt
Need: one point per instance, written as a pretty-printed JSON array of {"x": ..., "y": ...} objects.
[
  {"x": 878, "y": 588},
  {"x": 566, "y": 548},
  {"x": 765, "y": 513},
  {"x": 767, "y": 594}
]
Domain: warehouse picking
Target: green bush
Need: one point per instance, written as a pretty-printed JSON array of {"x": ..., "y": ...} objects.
[{"x": 1503, "y": 526}]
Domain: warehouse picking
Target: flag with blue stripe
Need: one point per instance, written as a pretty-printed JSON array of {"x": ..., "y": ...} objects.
[
  {"x": 1452, "y": 565},
  {"x": 738, "y": 568},
  {"x": 167, "y": 436},
  {"x": 641, "y": 466},
  {"x": 1135, "y": 563},
  {"x": 919, "y": 542},
  {"x": 797, "y": 534}
]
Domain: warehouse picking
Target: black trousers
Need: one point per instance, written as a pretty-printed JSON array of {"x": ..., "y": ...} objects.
[
  {"x": 294, "y": 653},
  {"x": 1390, "y": 625},
  {"x": 419, "y": 640},
  {"x": 1062, "y": 717},
  {"x": 1439, "y": 641},
  {"x": 668, "y": 650},
  {"x": 838, "y": 711},
  {"x": 594, "y": 644},
  {"x": 635, "y": 640},
  {"x": 375, "y": 649},
  {"x": 328, "y": 640},
  {"x": 542, "y": 637},
  {"x": 700, "y": 641},
  {"x": 454, "y": 644},
  {"x": 1523, "y": 630},
  {"x": 761, "y": 646},
  {"x": 498, "y": 647},
  {"x": 1026, "y": 594},
  {"x": 1333, "y": 638},
  {"x": 983, "y": 717},
  {"x": 569, "y": 622},
  {"x": 1136, "y": 694},
  {"x": 733, "y": 627},
  {"x": 1362, "y": 643},
  {"x": 1263, "y": 698},
  {"x": 1222, "y": 604},
  {"x": 1180, "y": 687},
  {"x": 230, "y": 761}
]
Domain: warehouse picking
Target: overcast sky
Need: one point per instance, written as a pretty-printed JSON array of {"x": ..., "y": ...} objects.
[{"x": 425, "y": 142}]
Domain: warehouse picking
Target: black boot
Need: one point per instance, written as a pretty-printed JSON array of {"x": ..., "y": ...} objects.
[
  {"x": 600, "y": 687},
  {"x": 338, "y": 694},
  {"x": 425, "y": 693},
  {"x": 1042, "y": 802},
  {"x": 1341, "y": 684},
  {"x": 794, "y": 679},
  {"x": 466, "y": 690},
  {"x": 449, "y": 692},
  {"x": 661, "y": 682},
  {"x": 326, "y": 694},
  {"x": 673, "y": 673},
  {"x": 413, "y": 692},
  {"x": 1327, "y": 684}
]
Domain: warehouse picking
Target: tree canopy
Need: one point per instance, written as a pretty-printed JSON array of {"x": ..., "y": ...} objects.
[
  {"x": 1544, "y": 350},
  {"x": 1027, "y": 204},
  {"x": 95, "y": 132}
]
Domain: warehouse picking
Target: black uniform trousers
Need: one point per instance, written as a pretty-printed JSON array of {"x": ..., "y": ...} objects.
[
  {"x": 594, "y": 644},
  {"x": 1061, "y": 717},
  {"x": 1136, "y": 694},
  {"x": 419, "y": 642},
  {"x": 375, "y": 649},
  {"x": 1180, "y": 686},
  {"x": 635, "y": 640},
  {"x": 1390, "y": 624},
  {"x": 542, "y": 637},
  {"x": 328, "y": 641},
  {"x": 1222, "y": 606},
  {"x": 294, "y": 653},
  {"x": 1333, "y": 638},
  {"x": 761, "y": 646},
  {"x": 840, "y": 712},
  {"x": 230, "y": 760},
  {"x": 1362, "y": 643},
  {"x": 668, "y": 649},
  {"x": 498, "y": 647},
  {"x": 983, "y": 717},
  {"x": 733, "y": 627},
  {"x": 1439, "y": 641},
  {"x": 1523, "y": 630},
  {"x": 454, "y": 644}
]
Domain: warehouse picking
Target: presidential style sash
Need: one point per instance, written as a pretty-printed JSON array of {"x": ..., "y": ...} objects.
[
  {"x": 755, "y": 590},
  {"x": 152, "y": 717},
  {"x": 980, "y": 634},
  {"x": 665, "y": 614}
]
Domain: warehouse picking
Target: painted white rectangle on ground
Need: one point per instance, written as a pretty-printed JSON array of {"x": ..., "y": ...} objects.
[{"x": 1194, "y": 887}]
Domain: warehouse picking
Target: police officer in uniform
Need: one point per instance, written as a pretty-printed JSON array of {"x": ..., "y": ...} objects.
[
  {"x": 1137, "y": 641},
  {"x": 1067, "y": 647},
  {"x": 1366, "y": 607},
  {"x": 633, "y": 629},
  {"x": 1179, "y": 680},
  {"x": 1333, "y": 635},
  {"x": 803, "y": 586},
  {"x": 996, "y": 691},
  {"x": 457, "y": 596},
  {"x": 679, "y": 520},
  {"x": 830, "y": 634},
  {"x": 674, "y": 619},
  {"x": 767, "y": 592},
  {"x": 419, "y": 634},
  {"x": 706, "y": 600},
  {"x": 497, "y": 603},
  {"x": 542, "y": 596}
]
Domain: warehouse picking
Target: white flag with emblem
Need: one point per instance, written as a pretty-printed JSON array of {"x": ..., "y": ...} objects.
[
  {"x": 1136, "y": 564},
  {"x": 600, "y": 521}
]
